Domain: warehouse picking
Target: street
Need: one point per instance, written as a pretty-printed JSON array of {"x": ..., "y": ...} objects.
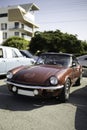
[{"x": 25, "y": 113}]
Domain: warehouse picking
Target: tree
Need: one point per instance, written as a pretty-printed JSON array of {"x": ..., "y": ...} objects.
[
  {"x": 17, "y": 42},
  {"x": 43, "y": 42},
  {"x": 56, "y": 41}
]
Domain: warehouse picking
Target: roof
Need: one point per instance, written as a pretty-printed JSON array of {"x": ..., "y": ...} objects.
[
  {"x": 55, "y": 53},
  {"x": 30, "y": 6},
  {"x": 7, "y": 47}
]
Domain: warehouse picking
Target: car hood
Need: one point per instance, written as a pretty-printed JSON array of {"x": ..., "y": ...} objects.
[{"x": 36, "y": 74}]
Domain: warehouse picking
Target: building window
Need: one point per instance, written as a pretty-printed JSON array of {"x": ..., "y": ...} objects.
[
  {"x": 16, "y": 33},
  {"x": 22, "y": 35},
  {"x": 22, "y": 25},
  {"x": 16, "y": 24},
  {"x": 3, "y": 26},
  {"x": 4, "y": 15},
  {"x": 4, "y": 35}
]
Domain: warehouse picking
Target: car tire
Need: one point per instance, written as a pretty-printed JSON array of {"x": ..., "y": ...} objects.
[{"x": 64, "y": 96}]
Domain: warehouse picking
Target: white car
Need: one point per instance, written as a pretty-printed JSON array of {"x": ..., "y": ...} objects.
[{"x": 10, "y": 58}]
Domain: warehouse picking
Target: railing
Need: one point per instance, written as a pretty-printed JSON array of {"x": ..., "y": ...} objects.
[{"x": 26, "y": 28}]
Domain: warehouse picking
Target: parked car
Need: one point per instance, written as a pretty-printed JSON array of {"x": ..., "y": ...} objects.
[
  {"x": 27, "y": 54},
  {"x": 52, "y": 75},
  {"x": 83, "y": 60},
  {"x": 11, "y": 58}
]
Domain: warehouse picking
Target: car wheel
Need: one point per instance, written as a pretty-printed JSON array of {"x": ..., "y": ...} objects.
[{"x": 64, "y": 96}]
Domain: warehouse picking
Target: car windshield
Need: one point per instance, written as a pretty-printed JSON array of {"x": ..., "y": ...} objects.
[{"x": 54, "y": 59}]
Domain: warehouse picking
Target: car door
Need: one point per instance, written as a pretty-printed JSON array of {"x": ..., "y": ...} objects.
[
  {"x": 21, "y": 60},
  {"x": 11, "y": 60},
  {"x": 2, "y": 62}
]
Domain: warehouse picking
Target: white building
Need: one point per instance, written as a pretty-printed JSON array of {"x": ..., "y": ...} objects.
[
  {"x": 1, "y": 37},
  {"x": 17, "y": 21}
]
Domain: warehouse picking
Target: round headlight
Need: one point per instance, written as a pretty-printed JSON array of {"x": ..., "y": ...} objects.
[
  {"x": 53, "y": 80},
  {"x": 9, "y": 75}
]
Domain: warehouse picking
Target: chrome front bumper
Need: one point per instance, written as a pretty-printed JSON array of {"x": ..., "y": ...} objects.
[
  {"x": 35, "y": 90},
  {"x": 35, "y": 87}
]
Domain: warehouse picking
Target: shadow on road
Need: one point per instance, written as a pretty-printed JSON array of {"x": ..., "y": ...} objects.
[
  {"x": 79, "y": 99},
  {"x": 8, "y": 101}
]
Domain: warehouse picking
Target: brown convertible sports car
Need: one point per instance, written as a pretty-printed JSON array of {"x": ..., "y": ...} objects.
[{"x": 52, "y": 75}]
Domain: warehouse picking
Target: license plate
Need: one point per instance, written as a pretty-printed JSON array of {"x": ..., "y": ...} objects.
[{"x": 25, "y": 92}]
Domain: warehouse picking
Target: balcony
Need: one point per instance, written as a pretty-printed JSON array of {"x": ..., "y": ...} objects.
[
  {"x": 22, "y": 29},
  {"x": 21, "y": 26}
]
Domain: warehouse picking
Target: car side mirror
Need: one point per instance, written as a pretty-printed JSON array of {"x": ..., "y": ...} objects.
[{"x": 73, "y": 64}]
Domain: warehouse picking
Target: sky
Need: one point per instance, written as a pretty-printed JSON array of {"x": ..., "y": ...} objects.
[{"x": 68, "y": 16}]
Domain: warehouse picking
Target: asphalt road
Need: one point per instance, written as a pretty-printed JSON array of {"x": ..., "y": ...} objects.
[{"x": 25, "y": 113}]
